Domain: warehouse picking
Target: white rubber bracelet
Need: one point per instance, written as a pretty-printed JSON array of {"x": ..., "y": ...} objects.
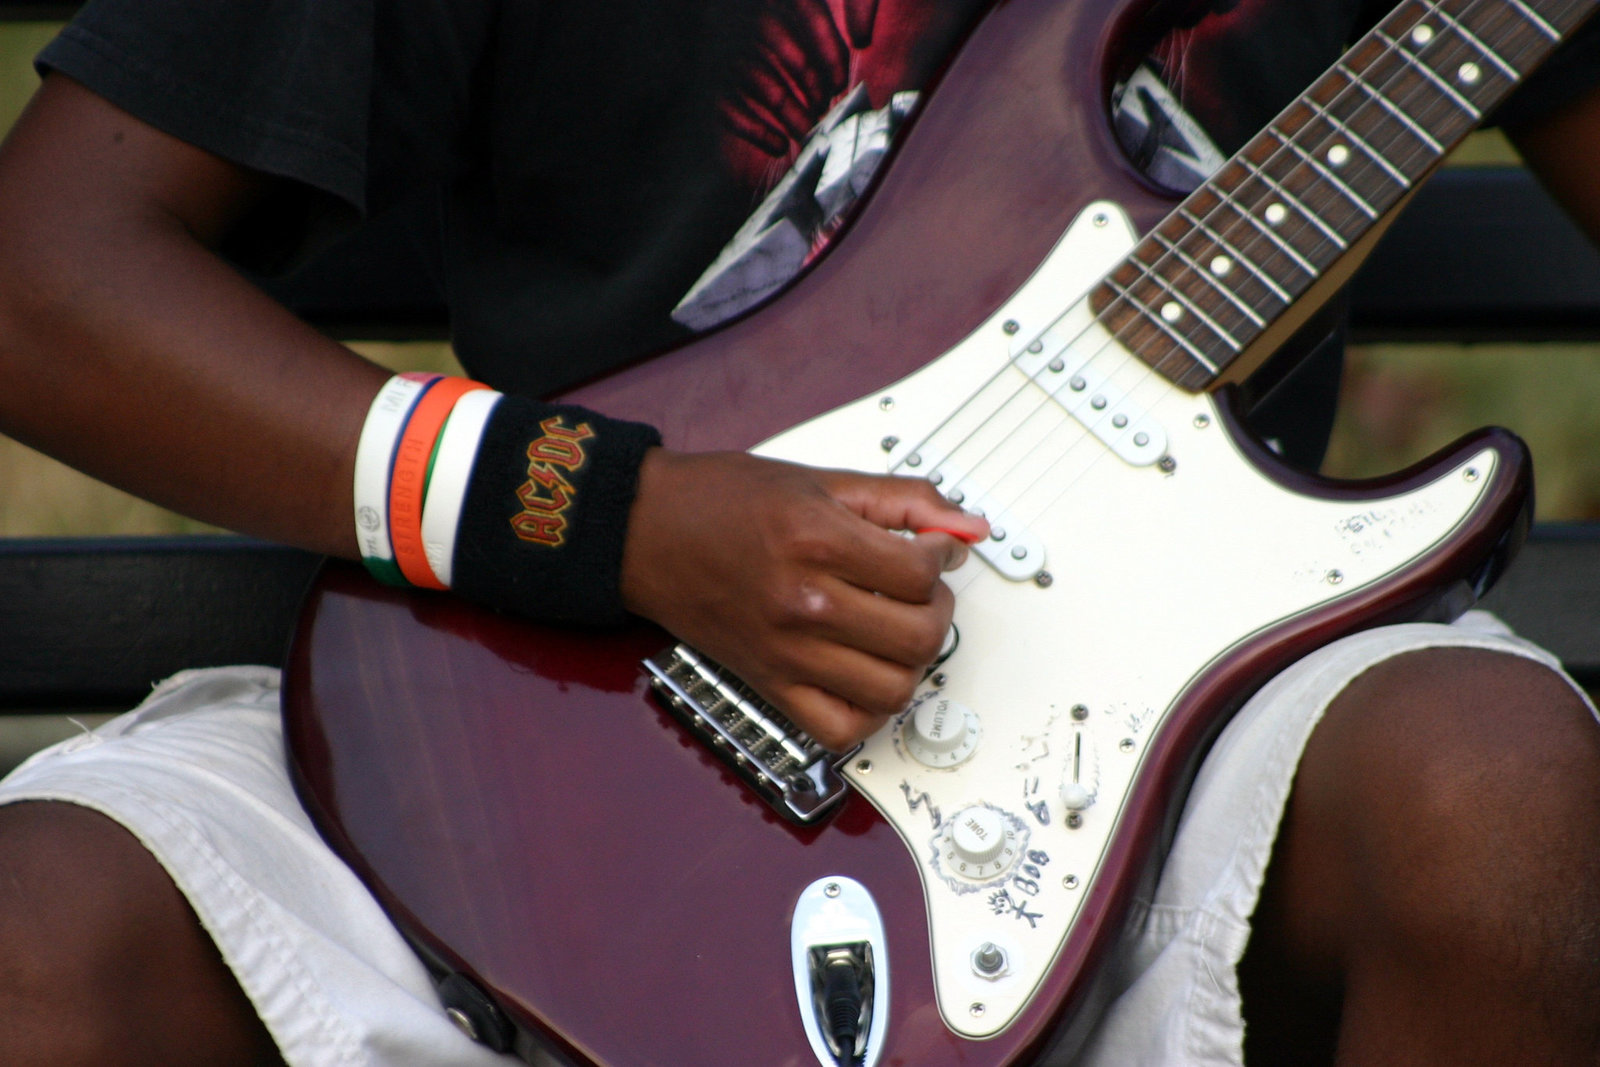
[
  {"x": 386, "y": 418},
  {"x": 447, "y": 484}
]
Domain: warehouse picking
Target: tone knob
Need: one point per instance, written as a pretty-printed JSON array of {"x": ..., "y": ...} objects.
[
  {"x": 980, "y": 843},
  {"x": 941, "y": 733},
  {"x": 978, "y": 836}
]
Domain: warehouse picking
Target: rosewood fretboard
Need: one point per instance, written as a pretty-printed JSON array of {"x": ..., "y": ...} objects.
[{"x": 1283, "y": 212}]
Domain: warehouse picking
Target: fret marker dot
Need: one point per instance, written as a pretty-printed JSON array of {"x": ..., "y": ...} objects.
[
  {"x": 1422, "y": 35},
  {"x": 1221, "y": 265},
  {"x": 1469, "y": 73},
  {"x": 1171, "y": 311},
  {"x": 1276, "y": 213},
  {"x": 1338, "y": 155}
]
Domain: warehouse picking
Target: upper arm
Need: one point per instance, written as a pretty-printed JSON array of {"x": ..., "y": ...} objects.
[{"x": 75, "y": 165}]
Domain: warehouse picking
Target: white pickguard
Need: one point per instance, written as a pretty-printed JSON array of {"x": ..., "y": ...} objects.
[{"x": 1153, "y": 575}]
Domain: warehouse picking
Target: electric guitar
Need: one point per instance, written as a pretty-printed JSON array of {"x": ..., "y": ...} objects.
[{"x": 619, "y": 853}]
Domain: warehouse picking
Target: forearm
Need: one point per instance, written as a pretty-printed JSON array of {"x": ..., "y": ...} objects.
[{"x": 129, "y": 350}]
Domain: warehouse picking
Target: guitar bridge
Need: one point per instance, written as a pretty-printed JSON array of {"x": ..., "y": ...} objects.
[{"x": 777, "y": 759}]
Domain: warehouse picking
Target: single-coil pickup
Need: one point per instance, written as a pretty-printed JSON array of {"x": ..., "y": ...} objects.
[
  {"x": 1079, "y": 375},
  {"x": 1011, "y": 548}
]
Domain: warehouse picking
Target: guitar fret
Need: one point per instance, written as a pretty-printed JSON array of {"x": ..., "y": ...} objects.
[
  {"x": 1404, "y": 153},
  {"x": 1222, "y": 312},
  {"x": 1256, "y": 269},
  {"x": 1461, "y": 30},
  {"x": 1535, "y": 18},
  {"x": 1153, "y": 318},
  {"x": 1368, "y": 150},
  {"x": 1433, "y": 76},
  {"x": 1384, "y": 102},
  {"x": 1210, "y": 279},
  {"x": 1208, "y": 282},
  {"x": 1266, "y": 231},
  {"x": 1179, "y": 297},
  {"x": 1310, "y": 216},
  {"x": 1329, "y": 176}
]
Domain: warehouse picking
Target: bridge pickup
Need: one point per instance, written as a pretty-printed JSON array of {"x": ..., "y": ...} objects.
[{"x": 791, "y": 771}]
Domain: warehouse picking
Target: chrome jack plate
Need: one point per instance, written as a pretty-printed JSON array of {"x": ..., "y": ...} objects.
[{"x": 841, "y": 972}]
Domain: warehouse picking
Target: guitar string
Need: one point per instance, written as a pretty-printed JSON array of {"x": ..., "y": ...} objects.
[
  {"x": 1387, "y": 52},
  {"x": 1243, "y": 221},
  {"x": 1389, "y": 49}
]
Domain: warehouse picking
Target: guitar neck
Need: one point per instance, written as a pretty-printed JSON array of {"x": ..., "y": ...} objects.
[{"x": 1286, "y": 212}]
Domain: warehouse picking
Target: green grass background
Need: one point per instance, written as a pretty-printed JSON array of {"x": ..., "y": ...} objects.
[{"x": 1400, "y": 401}]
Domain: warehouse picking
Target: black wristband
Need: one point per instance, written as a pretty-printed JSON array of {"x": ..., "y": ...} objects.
[{"x": 546, "y": 511}]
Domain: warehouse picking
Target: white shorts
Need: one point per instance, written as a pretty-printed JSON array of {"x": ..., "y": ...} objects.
[{"x": 197, "y": 774}]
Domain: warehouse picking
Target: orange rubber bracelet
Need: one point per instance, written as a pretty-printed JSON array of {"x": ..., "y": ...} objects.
[{"x": 408, "y": 483}]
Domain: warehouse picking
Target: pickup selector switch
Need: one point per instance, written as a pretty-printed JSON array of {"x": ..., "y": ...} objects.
[{"x": 941, "y": 732}]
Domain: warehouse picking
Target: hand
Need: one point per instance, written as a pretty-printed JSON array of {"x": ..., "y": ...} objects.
[{"x": 791, "y": 578}]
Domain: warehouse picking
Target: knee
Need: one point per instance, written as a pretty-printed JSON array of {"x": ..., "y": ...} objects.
[
  {"x": 1449, "y": 806},
  {"x": 101, "y": 959}
]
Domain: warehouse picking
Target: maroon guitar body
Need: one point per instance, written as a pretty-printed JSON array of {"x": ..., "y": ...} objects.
[{"x": 526, "y": 802}]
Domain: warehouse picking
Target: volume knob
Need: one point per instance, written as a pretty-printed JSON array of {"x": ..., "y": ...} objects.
[{"x": 941, "y": 733}]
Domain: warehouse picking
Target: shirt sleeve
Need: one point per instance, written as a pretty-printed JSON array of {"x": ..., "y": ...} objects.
[{"x": 279, "y": 86}]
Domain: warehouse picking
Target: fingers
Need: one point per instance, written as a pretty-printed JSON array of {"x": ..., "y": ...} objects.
[
  {"x": 847, "y": 695},
  {"x": 840, "y": 613},
  {"x": 801, "y": 582},
  {"x": 881, "y": 561},
  {"x": 905, "y": 504}
]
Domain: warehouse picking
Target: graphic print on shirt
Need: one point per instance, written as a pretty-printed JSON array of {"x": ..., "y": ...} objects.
[
  {"x": 828, "y": 84},
  {"x": 812, "y": 113}
]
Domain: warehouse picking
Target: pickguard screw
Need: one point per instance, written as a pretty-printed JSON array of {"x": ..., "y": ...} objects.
[
  {"x": 1202, "y": 421},
  {"x": 1011, "y": 326},
  {"x": 888, "y": 443},
  {"x": 1044, "y": 579},
  {"x": 977, "y": 1010},
  {"x": 1074, "y": 819},
  {"x": 1335, "y": 577},
  {"x": 864, "y": 766},
  {"x": 1080, "y": 712},
  {"x": 1069, "y": 882},
  {"x": 1126, "y": 744},
  {"x": 941, "y": 679},
  {"x": 1470, "y": 474},
  {"x": 1101, "y": 219},
  {"x": 1167, "y": 464},
  {"x": 886, "y": 404},
  {"x": 831, "y": 889}
]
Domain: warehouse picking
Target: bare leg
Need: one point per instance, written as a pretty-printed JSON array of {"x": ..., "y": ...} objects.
[
  {"x": 102, "y": 961},
  {"x": 1434, "y": 896}
]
